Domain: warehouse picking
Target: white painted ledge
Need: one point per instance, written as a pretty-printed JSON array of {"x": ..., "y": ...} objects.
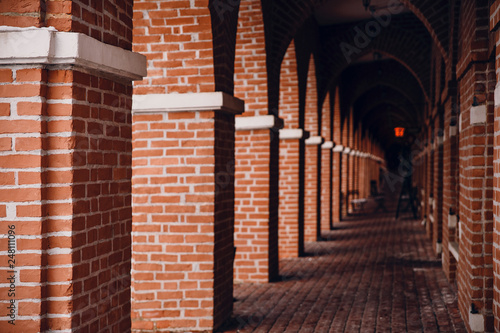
[
  {"x": 476, "y": 322},
  {"x": 347, "y": 150},
  {"x": 452, "y": 221},
  {"x": 478, "y": 114},
  {"x": 453, "y": 247},
  {"x": 47, "y": 46},
  {"x": 314, "y": 141},
  {"x": 327, "y": 145},
  {"x": 213, "y": 101},
  {"x": 257, "y": 123},
  {"x": 497, "y": 94},
  {"x": 453, "y": 131},
  {"x": 291, "y": 134},
  {"x": 338, "y": 149},
  {"x": 439, "y": 248}
]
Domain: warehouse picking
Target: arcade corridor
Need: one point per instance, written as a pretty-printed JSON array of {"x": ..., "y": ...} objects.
[
  {"x": 371, "y": 274},
  {"x": 174, "y": 166}
]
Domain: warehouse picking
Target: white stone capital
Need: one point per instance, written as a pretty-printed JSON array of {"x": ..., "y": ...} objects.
[
  {"x": 291, "y": 134},
  {"x": 338, "y": 149},
  {"x": 478, "y": 114},
  {"x": 47, "y": 46},
  {"x": 314, "y": 141},
  {"x": 257, "y": 123},
  {"x": 327, "y": 145},
  {"x": 213, "y": 101}
]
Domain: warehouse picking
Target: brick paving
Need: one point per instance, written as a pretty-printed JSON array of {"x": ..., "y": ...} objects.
[{"x": 371, "y": 274}]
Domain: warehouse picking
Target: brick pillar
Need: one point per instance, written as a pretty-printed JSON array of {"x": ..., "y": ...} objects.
[
  {"x": 256, "y": 224},
  {"x": 65, "y": 133},
  {"x": 476, "y": 84},
  {"x": 257, "y": 155},
  {"x": 337, "y": 158},
  {"x": 326, "y": 167},
  {"x": 450, "y": 180},
  {"x": 344, "y": 168},
  {"x": 437, "y": 232},
  {"x": 431, "y": 202},
  {"x": 312, "y": 218},
  {"x": 351, "y": 163},
  {"x": 291, "y": 146},
  {"x": 494, "y": 25},
  {"x": 183, "y": 184},
  {"x": 183, "y": 158}
]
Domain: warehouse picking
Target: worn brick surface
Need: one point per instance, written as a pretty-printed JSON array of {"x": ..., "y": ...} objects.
[{"x": 375, "y": 274}]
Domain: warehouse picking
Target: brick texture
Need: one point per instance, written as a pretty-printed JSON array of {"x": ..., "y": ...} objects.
[
  {"x": 257, "y": 157},
  {"x": 289, "y": 159},
  {"x": 312, "y": 218},
  {"x": 326, "y": 169},
  {"x": 183, "y": 185},
  {"x": 72, "y": 220}
]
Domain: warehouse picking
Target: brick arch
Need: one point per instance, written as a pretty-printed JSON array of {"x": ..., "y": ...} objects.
[
  {"x": 357, "y": 80},
  {"x": 381, "y": 95},
  {"x": 282, "y": 20},
  {"x": 406, "y": 48},
  {"x": 433, "y": 14}
]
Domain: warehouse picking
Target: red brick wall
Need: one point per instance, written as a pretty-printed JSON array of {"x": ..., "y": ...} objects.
[
  {"x": 256, "y": 257},
  {"x": 108, "y": 21},
  {"x": 289, "y": 159},
  {"x": 312, "y": 158},
  {"x": 257, "y": 158},
  {"x": 351, "y": 164},
  {"x": 437, "y": 233},
  {"x": 344, "y": 167},
  {"x": 74, "y": 218},
  {"x": 326, "y": 167},
  {"x": 450, "y": 180},
  {"x": 176, "y": 37},
  {"x": 183, "y": 229},
  {"x": 336, "y": 172},
  {"x": 475, "y": 271},
  {"x": 475, "y": 205},
  {"x": 250, "y": 65}
]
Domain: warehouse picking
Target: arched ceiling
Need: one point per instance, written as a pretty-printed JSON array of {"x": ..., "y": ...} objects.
[{"x": 367, "y": 53}]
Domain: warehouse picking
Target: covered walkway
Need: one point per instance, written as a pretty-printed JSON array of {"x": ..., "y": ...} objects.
[{"x": 372, "y": 273}]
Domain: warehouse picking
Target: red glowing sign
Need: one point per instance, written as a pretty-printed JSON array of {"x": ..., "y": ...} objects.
[{"x": 399, "y": 132}]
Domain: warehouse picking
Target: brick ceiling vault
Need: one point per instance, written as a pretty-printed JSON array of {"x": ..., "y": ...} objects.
[{"x": 407, "y": 39}]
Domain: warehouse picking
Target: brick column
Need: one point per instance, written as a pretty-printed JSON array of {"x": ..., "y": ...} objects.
[
  {"x": 351, "y": 163},
  {"x": 312, "y": 218},
  {"x": 437, "y": 233},
  {"x": 312, "y": 186},
  {"x": 337, "y": 158},
  {"x": 475, "y": 271},
  {"x": 431, "y": 202},
  {"x": 257, "y": 155},
  {"x": 291, "y": 208},
  {"x": 256, "y": 198},
  {"x": 494, "y": 25},
  {"x": 65, "y": 169},
  {"x": 326, "y": 168},
  {"x": 450, "y": 193},
  {"x": 183, "y": 185},
  {"x": 344, "y": 168}
]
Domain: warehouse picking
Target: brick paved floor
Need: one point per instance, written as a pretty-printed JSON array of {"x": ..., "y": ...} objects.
[{"x": 372, "y": 274}]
